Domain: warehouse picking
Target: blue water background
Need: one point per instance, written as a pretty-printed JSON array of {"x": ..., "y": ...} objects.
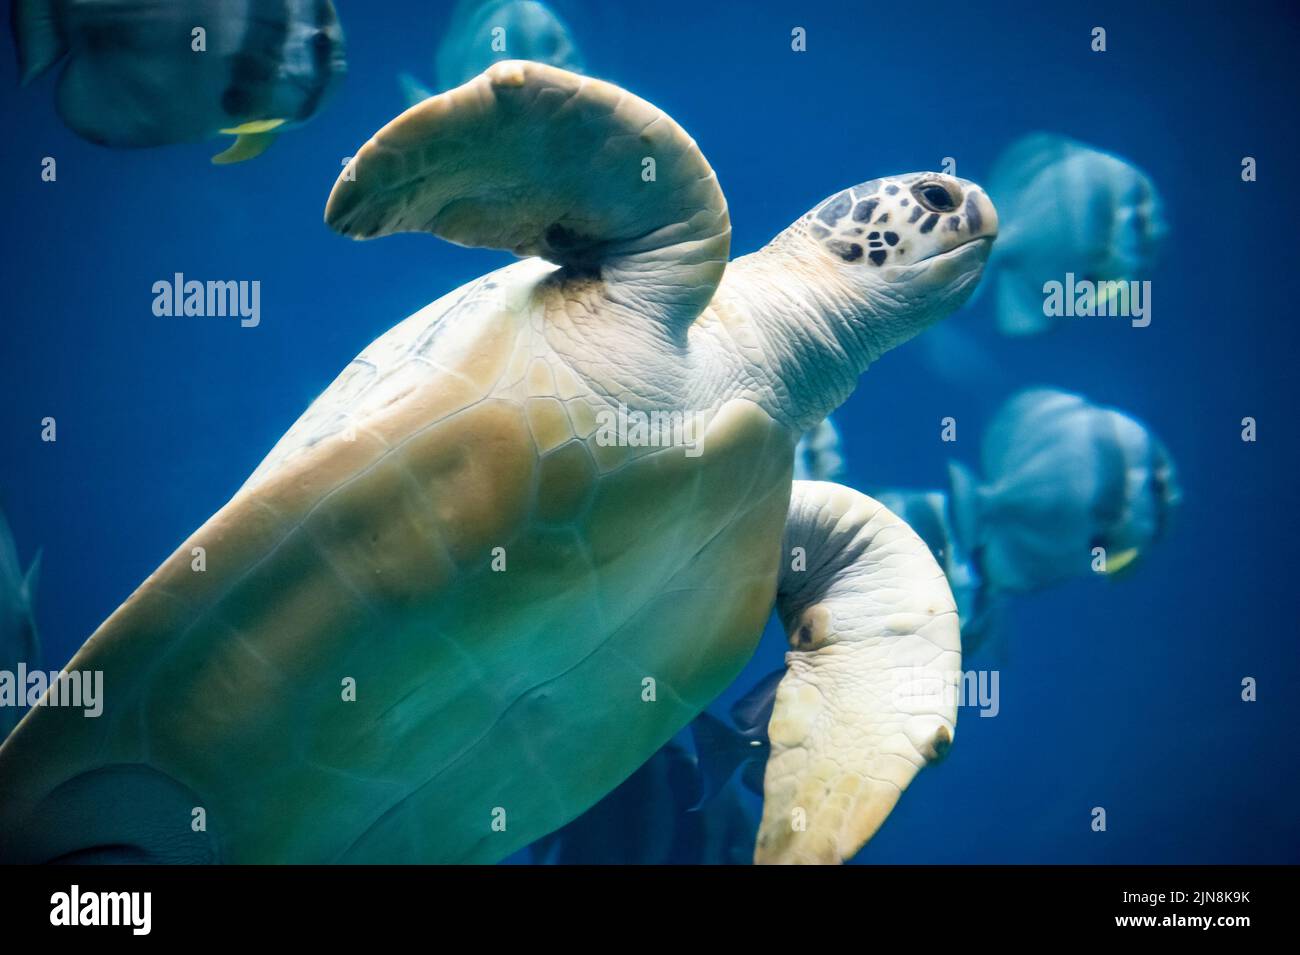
[{"x": 1121, "y": 695}]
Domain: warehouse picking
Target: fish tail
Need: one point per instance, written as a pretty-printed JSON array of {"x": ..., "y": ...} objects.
[
  {"x": 413, "y": 90},
  {"x": 1019, "y": 306},
  {"x": 29, "y": 600},
  {"x": 38, "y": 37},
  {"x": 966, "y": 506},
  {"x": 720, "y": 750}
]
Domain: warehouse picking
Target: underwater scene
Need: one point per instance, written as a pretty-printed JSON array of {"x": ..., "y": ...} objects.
[{"x": 572, "y": 432}]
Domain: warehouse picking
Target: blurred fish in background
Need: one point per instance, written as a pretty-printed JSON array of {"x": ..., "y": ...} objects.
[
  {"x": 1065, "y": 207},
  {"x": 481, "y": 32},
  {"x": 817, "y": 457},
  {"x": 18, "y": 639},
  {"x": 653, "y": 818},
  {"x": 139, "y": 73},
  {"x": 1061, "y": 476},
  {"x": 721, "y": 748}
]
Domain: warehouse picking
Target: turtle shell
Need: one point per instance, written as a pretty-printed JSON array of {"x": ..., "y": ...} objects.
[{"x": 449, "y": 612}]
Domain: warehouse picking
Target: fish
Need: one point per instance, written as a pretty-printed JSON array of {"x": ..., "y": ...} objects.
[
  {"x": 139, "y": 74},
  {"x": 1061, "y": 477},
  {"x": 481, "y": 32},
  {"x": 817, "y": 456},
  {"x": 722, "y": 748},
  {"x": 653, "y": 818},
  {"x": 1067, "y": 209},
  {"x": 19, "y": 641}
]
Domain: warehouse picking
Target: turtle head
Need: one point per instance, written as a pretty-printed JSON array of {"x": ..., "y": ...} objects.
[
  {"x": 909, "y": 249},
  {"x": 863, "y": 271}
]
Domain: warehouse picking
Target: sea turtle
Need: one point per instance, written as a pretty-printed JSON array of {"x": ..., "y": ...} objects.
[{"x": 482, "y": 579}]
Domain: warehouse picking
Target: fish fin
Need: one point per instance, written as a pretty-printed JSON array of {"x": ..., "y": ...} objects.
[
  {"x": 30, "y": 578},
  {"x": 38, "y": 37},
  {"x": 246, "y": 146},
  {"x": 413, "y": 90},
  {"x": 1019, "y": 306},
  {"x": 254, "y": 126},
  {"x": 753, "y": 711},
  {"x": 992, "y": 647},
  {"x": 966, "y": 505},
  {"x": 546, "y": 850},
  {"x": 9, "y": 566},
  {"x": 1107, "y": 289},
  {"x": 1121, "y": 564},
  {"x": 29, "y": 594},
  {"x": 1022, "y": 162},
  {"x": 982, "y": 630},
  {"x": 719, "y": 750}
]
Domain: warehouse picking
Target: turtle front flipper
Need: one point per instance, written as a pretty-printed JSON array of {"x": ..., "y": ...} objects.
[
  {"x": 543, "y": 162},
  {"x": 869, "y": 696}
]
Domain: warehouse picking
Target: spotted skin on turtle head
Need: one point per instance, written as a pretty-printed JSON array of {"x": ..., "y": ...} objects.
[{"x": 912, "y": 207}]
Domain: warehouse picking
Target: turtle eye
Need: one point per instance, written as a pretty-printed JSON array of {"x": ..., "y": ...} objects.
[{"x": 937, "y": 196}]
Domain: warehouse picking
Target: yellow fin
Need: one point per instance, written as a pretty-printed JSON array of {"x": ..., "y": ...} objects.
[
  {"x": 256, "y": 126},
  {"x": 1116, "y": 563},
  {"x": 247, "y": 146},
  {"x": 1107, "y": 289}
]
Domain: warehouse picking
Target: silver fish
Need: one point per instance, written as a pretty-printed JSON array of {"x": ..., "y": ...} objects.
[
  {"x": 1067, "y": 208},
  {"x": 141, "y": 74},
  {"x": 1061, "y": 477},
  {"x": 481, "y": 32}
]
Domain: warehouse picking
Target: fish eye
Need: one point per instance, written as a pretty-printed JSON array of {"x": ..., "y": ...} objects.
[
  {"x": 321, "y": 42},
  {"x": 936, "y": 196}
]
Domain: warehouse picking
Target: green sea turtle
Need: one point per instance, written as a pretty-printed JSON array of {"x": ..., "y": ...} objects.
[{"x": 483, "y": 578}]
